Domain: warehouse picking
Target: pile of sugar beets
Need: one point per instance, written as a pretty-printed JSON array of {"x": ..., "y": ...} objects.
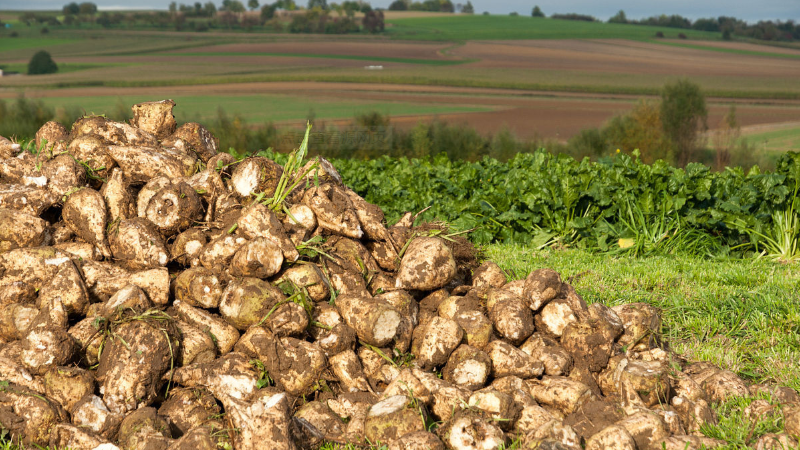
[{"x": 158, "y": 294}]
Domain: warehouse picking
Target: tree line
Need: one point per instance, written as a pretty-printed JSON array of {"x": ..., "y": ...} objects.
[{"x": 766, "y": 30}]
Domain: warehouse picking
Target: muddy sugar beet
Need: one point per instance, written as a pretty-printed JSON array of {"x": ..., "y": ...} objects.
[{"x": 158, "y": 294}]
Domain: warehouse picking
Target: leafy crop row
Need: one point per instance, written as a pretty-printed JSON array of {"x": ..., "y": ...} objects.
[
  {"x": 614, "y": 204},
  {"x": 617, "y": 204}
]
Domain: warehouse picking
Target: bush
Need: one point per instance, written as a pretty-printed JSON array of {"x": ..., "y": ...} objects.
[
  {"x": 41, "y": 63},
  {"x": 23, "y": 117},
  {"x": 620, "y": 17},
  {"x": 683, "y": 114},
  {"x": 44, "y": 30},
  {"x": 642, "y": 129},
  {"x": 14, "y": 34},
  {"x": 574, "y": 16},
  {"x": 373, "y": 21},
  {"x": 726, "y": 35},
  {"x": 398, "y": 5},
  {"x": 659, "y": 34},
  {"x": 589, "y": 142},
  {"x": 681, "y": 36}
]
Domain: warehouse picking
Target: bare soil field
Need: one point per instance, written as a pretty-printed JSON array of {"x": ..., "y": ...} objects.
[
  {"x": 528, "y": 114},
  {"x": 557, "y": 66},
  {"x": 622, "y": 56},
  {"x": 747, "y": 46},
  {"x": 417, "y": 50}
]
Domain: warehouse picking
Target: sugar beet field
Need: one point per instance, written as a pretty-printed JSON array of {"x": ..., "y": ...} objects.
[{"x": 158, "y": 292}]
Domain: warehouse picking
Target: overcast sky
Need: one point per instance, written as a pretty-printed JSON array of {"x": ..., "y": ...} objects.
[{"x": 749, "y": 10}]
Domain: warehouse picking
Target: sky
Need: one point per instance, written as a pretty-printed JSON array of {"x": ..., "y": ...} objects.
[{"x": 749, "y": 10}]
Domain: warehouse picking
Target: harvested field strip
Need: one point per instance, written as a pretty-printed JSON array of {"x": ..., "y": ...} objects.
[
  {"x": 735, "y": 51},
  {"x": 741, "y": 316},
  {"x": 62, "y": 67},
  {"x": 430, "y": 62},
  {"x": 411, "y": 79},
  {"x": 263, "y": 108}
]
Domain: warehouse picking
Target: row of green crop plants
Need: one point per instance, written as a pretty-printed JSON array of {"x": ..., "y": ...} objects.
[{"x": 617, "y": 204}]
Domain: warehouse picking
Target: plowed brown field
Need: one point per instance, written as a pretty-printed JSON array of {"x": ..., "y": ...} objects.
[
  {"x": 602, "y": 65},
  {"x": 528, "y": 114},
  {"x": 622, "y": 56}
]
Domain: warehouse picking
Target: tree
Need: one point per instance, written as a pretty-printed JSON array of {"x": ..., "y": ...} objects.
[
  {"x": 619, "y": 18},
  {"x": 398, "y": 5},
  {"x": 468, "y": 9},
  {"x": 683, "y": 113},
  {"x": 173, "y": 8},
  {"x": 726, "y": 34},
  {"x": 252, "y": 4},
  {"x": 42, "y": 63},
  {"x": 537, "y": 12},
  {"x": 71, "y": 9},
  {"x": 373, "y": 21},
  {"x": 87, "y": 8},
  {"x": 234, "y": 6},
  {"x": 725, "y": 139},
  {"x": 322, "y": 4},
  {"x": 267, "y": 12}
]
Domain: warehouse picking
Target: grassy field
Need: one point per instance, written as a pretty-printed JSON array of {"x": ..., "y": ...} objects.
[
  {"x": 257, "y": 108},
  {"x": 478, "y": 27},
  {"x": 787, "y": 139},
  {"x": 62, "y": 68},
  {"x": 30, "y": 42}
]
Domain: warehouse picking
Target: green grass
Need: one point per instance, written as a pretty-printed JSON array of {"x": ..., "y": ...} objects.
[
  {"x": 62, "y": 67},
  {"x": 259, "y": 108},
  {"x": 735, "y": 51},
  {"x": 775, "y": 141},
  {"x": 462, "y": 28},
  {"x": 741, "y": 315},
  {"x": 23, "y": 43},
  {"x": 428, "y": 62}
]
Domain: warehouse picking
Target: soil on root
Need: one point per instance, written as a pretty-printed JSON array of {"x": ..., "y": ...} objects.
[{"x": 467, "y": 256}]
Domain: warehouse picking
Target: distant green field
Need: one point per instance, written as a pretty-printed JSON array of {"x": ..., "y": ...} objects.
[
  {"x": 778, "y": 140},
  {"x": 9, "y": 43},
  {"x": 427, "y": 62},
  {"x": 62, "y": 68},
  {"x": 258, "y": 108},
  {"x": 461, "y": 28}
]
